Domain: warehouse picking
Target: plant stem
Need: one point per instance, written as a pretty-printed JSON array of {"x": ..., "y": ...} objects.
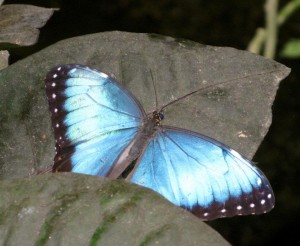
[
  {"x": 257, "y": 42},
  {"x": 287, "y": 11},
  {"x": 271, "y": 28}
]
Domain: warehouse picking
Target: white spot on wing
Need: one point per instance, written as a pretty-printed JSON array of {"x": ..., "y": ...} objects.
[
  {"x": 55, "y": 110},
  {"x": 53, "y": 95},
  {"x": 103, "y": 75},
  {"x": 252, "y": 205},
  {"x": 53, "y": 84},
  {"x": 57, "y": 125},
  {"x": 269, "y": 196},
  {"x": 263, "y": 202},
  {"x": 239, "y": 207},
  {"x": 223, "y": 210},
  {"x": 59, "y": 68},
  {"x": 205, "y": 214},
  {"x": 54, "y": 75},
  {"x": 258, "y": 181}
]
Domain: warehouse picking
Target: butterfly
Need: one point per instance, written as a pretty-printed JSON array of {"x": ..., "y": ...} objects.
[{"x": 101, "y": 129}]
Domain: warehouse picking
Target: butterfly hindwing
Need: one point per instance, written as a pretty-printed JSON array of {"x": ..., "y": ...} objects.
[
  {"x": 202, "y": 175},
  {"x": 93, "y": 118}
]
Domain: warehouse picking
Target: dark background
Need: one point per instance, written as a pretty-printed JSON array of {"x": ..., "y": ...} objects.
[{"x": 221, "y": 23}]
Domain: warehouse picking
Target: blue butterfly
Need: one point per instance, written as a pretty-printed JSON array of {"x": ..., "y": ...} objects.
[{"x": 101, "y": 129}]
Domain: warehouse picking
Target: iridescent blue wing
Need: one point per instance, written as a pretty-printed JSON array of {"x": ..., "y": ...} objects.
[
  {"x": 93, "y": 118},
  {"x": 202, "y": 175}
]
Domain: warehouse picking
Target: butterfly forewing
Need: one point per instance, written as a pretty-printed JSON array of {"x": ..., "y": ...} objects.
[
  {"x": 202, "y": 175},
  {"x": 93, "y": 118}
]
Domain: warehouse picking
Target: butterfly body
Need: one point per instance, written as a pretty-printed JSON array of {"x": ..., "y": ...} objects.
[
  {"x": 101, "y": 129},
  {"x": 147, "y": 131}
]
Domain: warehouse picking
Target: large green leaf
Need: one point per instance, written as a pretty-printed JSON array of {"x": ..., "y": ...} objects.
[
  {"x": 236, "y": 112},
  {"x": 69, "y": 209},
  {"x": 233, "y": 106}
]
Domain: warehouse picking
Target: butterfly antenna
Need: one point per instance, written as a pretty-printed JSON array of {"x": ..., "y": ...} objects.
[
  {"x": 40, "y": 171},
  {"x": 155, "y": 92},
  {"x": 223, "y": 82}
]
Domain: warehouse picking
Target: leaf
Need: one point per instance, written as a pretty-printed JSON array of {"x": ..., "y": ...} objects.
[
  {"x": 19, "y": 23},
  {"x": 70, "y": 209},
  {"x": 3, "y": 59},
  {"x": 235, "y": 108},
  {"x": 236, "y": 112},
  {"x": 291, "y": 49}
]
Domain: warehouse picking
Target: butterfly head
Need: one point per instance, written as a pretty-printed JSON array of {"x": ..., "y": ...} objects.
[{"x": 157, "y": 117}]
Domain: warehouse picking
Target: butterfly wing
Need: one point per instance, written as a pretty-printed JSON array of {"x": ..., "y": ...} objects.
[
  {"x": 202, "y": 175},
  {"x": 93, "y": 118}
]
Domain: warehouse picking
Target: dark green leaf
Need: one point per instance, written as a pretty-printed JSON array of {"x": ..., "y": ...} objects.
[
  {"x": 70, "y": 209},
  {"x": 19, "y": 23},
  {"x": 235, "y": 110},
  {"x": 233, "y": 105}
]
